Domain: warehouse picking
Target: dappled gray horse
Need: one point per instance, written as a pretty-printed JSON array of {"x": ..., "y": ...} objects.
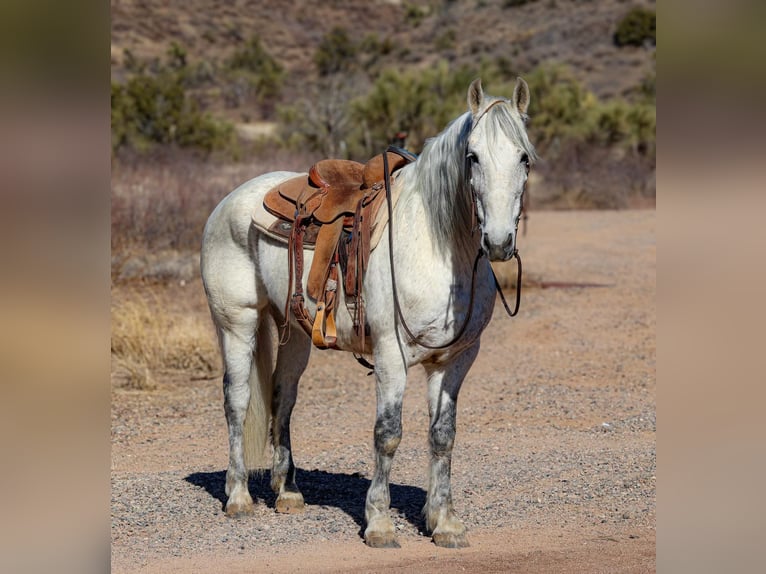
[{"x": 458, "y": 206}]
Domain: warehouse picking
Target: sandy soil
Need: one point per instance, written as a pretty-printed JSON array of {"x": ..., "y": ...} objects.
[{"x": 553, "y": 469}]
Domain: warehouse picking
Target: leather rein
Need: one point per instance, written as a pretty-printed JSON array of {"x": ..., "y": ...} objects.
[{"x": 397, "y": 307}]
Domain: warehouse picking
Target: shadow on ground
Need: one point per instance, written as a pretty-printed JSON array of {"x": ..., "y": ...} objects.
[{"x": 346, "y": 492}]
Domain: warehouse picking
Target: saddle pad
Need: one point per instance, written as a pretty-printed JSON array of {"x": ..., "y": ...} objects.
[
  {"x": 280, "y": 229},
  {"x": 381, "y": 218}
]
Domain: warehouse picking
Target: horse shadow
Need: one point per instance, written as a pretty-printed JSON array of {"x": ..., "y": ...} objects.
[{"x": 346, "y": 492}]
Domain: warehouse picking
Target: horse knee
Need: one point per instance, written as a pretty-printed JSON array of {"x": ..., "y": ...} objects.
[
  {"x": 389, "y": 446},
  {"x": 442, "y": 439},
  {"x": 388, "y": 431}
]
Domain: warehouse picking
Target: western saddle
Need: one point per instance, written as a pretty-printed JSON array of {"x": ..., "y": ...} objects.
[{"x": 334, "y": 208}]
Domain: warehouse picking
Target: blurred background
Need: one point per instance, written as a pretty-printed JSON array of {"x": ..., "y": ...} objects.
[{"x": 206, "y": 95}]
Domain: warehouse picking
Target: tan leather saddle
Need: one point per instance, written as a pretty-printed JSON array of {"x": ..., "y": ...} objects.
[{"x": 334, "y": 208}]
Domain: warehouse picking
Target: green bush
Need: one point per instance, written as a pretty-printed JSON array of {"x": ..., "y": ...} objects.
[
  {"x": 419, "y": 102},
  {"x": 337, "y": 120},
  {"x": 445, "y": 41},
  {"x": 642, "y": 122},
  {"x": 564, "y": 114},
  {"x": 253, "y": 74},
  {"x": 610, "y": 124},
  {"x": 559, "y": 106},
  {"x": 414, "y": 14},
  {"x": 336, "y": 52},
  {"x": 266, "y": 73},
  {"x": 155, "y": 108},
  {"x": 637, "y": 27}
]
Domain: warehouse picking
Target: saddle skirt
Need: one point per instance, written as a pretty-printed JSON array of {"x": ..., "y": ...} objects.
[{"x": 334, "y": 210}]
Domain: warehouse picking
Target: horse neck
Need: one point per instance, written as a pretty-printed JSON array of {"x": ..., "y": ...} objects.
[{"x": 453, "y": 253}]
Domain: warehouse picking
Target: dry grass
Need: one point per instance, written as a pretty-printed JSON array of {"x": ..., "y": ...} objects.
[
  {"x": 161, "y": 203},
  {"x": 153, "y": 332}
]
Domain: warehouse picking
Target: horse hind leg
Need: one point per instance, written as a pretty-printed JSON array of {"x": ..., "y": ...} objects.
[
  {"x": 247, "y": 349},
  {"x": 292, "y": 359},
  {"x": 443, "y": 387}
]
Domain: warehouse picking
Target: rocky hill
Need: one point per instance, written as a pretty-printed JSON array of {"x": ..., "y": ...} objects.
[
  {"x": 260, "y": 69},
  {"x": 520, "y": 34}
]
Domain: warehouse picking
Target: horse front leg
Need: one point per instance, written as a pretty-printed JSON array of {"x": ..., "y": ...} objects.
[
  {"x": 391, "y": 377},
  {"x": 292, "y": 359},
  {"x": 444, "y": 382}
]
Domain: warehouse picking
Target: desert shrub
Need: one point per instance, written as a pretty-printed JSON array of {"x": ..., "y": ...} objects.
[
  {"x": 371, "y": 44},
  {"x": 637, "y": 27},
  {"x": 419, "y": 102},
  {"x": 256, "y": 75},
  {"x": 154, "y": 107},
  {"x": 642, "y": 134},
  {"x": 447, "y": 40},
  {"x": 414, "y": 14},
  {"x": 151, "y": 110},
  {"x": 336, "y": 52},
  {"x": 398, "y": 101},
  {"x": 618, "y": 123},
  {"x": 370, "y": 53},
  {"x": 563, "y": 112},
  {"x": 176, "y": 56},
  {"x": 131, "y": 63},
  {"x": 611, "y": 124},
  {"x": 595, "y": 153},
  {"x": 119, "y": 123},
  {"x": 559, "y": 106},
  {"x": 336, "y": 120}
]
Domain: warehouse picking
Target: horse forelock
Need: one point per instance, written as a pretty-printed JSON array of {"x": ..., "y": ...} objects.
[{"x": 505, "y": 119}]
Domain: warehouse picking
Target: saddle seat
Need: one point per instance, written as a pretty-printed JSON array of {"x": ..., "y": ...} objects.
[
  {"x": 334, "y": 208},
  {"x": 333, "y": 188}
]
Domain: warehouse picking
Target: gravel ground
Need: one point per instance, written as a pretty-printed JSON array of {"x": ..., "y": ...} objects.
[{"x": 553, "y": 468}]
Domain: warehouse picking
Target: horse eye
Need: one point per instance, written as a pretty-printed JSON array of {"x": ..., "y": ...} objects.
[
  {"x": 525, "y": 160},
  {"x": 470, "y": 156}
]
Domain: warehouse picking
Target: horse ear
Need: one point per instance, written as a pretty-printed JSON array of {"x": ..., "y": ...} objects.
[
  {"x": 475, "y": 96},
  {"x": 521, "y": 96}
]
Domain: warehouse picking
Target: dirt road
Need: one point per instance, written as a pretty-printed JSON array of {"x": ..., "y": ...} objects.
[{"x": 554, "y": 464}]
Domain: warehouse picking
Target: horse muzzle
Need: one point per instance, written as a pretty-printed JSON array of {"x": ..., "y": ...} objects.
[{"x": 499, "y": 251}]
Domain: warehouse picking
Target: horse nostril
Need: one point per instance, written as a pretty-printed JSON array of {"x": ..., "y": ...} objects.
[{"x": 510, "y": 243}]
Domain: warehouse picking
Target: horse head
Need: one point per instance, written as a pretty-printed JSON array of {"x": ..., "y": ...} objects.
[{"x": 498, "y": 158}]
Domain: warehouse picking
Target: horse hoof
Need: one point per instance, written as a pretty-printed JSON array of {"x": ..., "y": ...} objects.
[
  {"x": 450, "y": 540},
  {"x": 235, "y": 510},
  {"x": 381, "y": 540},
  {"x": 290, "y": 503}
]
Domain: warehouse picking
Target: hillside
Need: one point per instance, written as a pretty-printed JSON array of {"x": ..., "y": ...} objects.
[
  {"x": 193, "y": 73},
  {"x": 575, "y": 33}
]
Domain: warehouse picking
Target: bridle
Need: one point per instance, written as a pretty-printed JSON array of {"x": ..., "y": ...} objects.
[{"x": 397, "y": 307}]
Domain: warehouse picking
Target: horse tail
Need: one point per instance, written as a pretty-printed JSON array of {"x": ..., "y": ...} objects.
[{"x": 255, "y": 433}]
